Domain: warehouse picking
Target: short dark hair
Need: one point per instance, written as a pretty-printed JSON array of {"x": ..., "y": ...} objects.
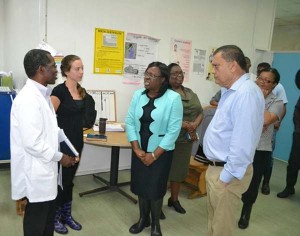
[
  {"x": 170, "y": 66},
  {"x": 264, "y": 65},
  {"x": 34, "y": 59},
  {"x": 261, "y": 66},
  {"x": 232, "y": 53},
  {"x": 66, "y": 63},
  {"x": 164, "y": 73},
  {"x": 274, "y": 72}
]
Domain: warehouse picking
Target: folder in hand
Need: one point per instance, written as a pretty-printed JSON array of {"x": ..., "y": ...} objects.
[{"x": 63, "y": 138}]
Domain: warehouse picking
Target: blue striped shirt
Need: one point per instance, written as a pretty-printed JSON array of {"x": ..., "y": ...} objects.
[{"x": 235, "y": 129}]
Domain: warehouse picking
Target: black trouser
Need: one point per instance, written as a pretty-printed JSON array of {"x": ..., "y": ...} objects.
[
  {"x": 294, "y": 162},
  {"x": 268, "y": 172},
  {"x": 260, "y": 163},
  {"x": 39, "y": 219},
  {"x": 66, "y": 194}
]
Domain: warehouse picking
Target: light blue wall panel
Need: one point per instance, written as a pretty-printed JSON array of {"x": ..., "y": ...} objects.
[{"x": 287, "y": 64}]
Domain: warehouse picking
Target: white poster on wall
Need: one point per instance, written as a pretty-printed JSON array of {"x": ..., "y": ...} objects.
[
  {"x": 180, "y": 53},
  {"x": 140, "y": 50},
  {"x": 199, "y": 61}
]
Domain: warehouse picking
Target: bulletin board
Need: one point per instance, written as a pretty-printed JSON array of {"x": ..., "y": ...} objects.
[{"x": 105, "y": 104}]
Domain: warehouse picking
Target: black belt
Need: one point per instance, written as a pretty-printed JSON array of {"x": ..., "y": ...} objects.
[{"x": 216, "y": 163}]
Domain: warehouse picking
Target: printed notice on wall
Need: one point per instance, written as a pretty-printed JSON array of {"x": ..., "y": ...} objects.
[
  {"x": 199, "y": 61},
  {"x": 180, "y": 53},
  {"x": 140, "y": 50},
  {"x": 108, "y": 51}
]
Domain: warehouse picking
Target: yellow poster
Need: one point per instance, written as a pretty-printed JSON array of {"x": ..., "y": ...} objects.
[
  {"x": 210, "y": 75},
  {"x": 109, "y": 51}
]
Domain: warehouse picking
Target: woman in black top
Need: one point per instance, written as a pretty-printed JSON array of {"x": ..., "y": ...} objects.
[{"x": 69, "y": 102}]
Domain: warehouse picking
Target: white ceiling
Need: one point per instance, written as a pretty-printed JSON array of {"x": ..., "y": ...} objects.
[{"x": 287, "y": 13}]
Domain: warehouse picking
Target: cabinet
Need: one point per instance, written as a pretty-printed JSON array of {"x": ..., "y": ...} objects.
[{"x": 6, "y": 99}]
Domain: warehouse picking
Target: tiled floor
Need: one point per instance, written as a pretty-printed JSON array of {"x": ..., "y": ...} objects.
[{"x": 111, "y": 214}]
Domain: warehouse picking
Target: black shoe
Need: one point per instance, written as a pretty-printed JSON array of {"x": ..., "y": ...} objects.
[
  {"x": 265, "y": 189},
  {"x": 243, "y": 223},
  {"x": 245, "y": 216},
  {"x": 155, "y": 230},
  {"x": 155, "y": 216},
  {"x": 176, "y": 205},
  {"x": 139, "y": 226},
  {"x": 286, "y": 193},
  {"x": 162, "y": 216}
]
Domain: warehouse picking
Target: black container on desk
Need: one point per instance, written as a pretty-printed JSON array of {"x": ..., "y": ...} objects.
[{"x": 102, "y": 125}]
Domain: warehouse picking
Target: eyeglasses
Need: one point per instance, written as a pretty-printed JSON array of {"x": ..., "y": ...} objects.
[
  {"x": 176, "y": 74},
  {"x": 152, "y": 77},
  {"x": 265, "y": 80}
]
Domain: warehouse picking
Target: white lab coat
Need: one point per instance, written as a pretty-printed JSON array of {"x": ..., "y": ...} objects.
[{"x": 34, "y": 145}]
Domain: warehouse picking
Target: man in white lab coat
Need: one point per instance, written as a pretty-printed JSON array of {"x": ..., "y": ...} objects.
[{"x": 34, "y": 145}]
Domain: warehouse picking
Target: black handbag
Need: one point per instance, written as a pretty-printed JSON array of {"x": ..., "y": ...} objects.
[{"x": 200, "y": 156}]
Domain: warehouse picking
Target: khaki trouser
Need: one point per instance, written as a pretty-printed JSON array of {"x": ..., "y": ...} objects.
[{"x": 223, "y": 202}]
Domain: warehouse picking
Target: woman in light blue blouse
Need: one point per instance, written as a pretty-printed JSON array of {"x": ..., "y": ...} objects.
[{"x": 153, "y": 124}]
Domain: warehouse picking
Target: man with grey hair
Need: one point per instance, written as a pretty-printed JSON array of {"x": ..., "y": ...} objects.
[{"x": 231, "y": 138}]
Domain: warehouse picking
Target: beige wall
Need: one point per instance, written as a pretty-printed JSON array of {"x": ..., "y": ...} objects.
[
  {"x": 21, "y": 33},
  {"x": 286, "y": 38},
  {"x": 71, "y": 24},
  {"x": 70, "y": 29}
]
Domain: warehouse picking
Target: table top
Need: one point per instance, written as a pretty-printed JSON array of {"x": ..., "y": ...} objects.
[{"x": 113, "y": 139}]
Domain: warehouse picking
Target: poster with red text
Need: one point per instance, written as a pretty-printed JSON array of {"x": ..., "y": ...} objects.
[{"x": 180, "y": 53}]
